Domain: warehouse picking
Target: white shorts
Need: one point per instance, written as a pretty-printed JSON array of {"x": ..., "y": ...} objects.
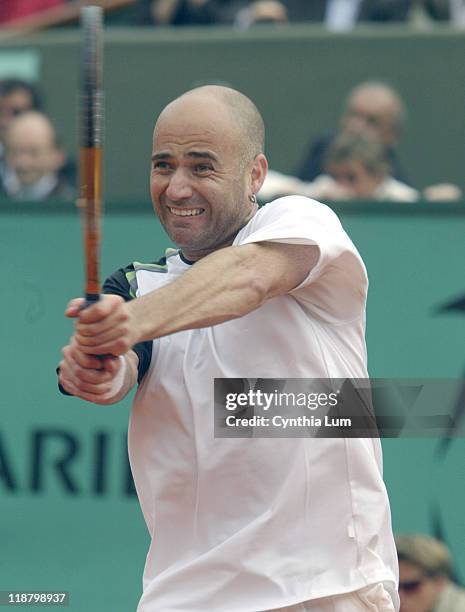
[{"x": 373, "y": 598}]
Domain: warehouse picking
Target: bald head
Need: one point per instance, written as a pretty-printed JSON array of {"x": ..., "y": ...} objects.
[
  {"x": 375, "y": 107},
  {"x": 31, "y": 147},
  {"x": 240, "y": 115},
  {"x": 32, "y": 125}
]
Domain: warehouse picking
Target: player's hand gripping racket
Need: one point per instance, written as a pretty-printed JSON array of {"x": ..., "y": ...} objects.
[{"x": 91, "y": 146}]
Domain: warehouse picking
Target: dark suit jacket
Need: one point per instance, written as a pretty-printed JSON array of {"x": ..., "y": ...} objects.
[{"x": 63, "y": 190}]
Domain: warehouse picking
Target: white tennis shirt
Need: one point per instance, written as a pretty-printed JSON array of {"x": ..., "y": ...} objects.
[{"x": 245, "y": 525}]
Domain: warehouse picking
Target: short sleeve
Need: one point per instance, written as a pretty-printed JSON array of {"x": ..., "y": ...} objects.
[{"x": 336, "y": 286}]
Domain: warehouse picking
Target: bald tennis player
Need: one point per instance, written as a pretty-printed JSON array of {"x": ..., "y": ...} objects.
[{"x": 239, "y": 524}]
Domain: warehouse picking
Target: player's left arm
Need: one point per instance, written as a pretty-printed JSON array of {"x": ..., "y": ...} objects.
[{"x": 224, "y": 285}]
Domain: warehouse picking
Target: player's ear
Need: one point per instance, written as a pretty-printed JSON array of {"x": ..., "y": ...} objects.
[{"x": 258, "y": 172}]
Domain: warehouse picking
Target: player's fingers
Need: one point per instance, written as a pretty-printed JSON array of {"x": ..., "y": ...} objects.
[
  {"x": 107, "y": 306},
  {"x": 64, "y": 381},
  {"x": 120, "y": 331},
  {"x": 72, "y": 353},
  {"x": 85, "y": 375},
  {"x": 111, "y": 364},
  {"x": 115, "y": 348},
  {"x": 100, "y": 389},
  {"x": 73, "y": 308},
  {"x": 69, "y": 377},
  {"x": 95, "y": 398},
  {"x": 117, "y": 319},
  {"x": 71, "y": 369}
]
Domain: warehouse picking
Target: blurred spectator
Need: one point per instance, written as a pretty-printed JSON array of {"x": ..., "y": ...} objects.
[
  {"x": 183, "y": 12},
  {"x": 425, "y": 11},
  {"x": 10, "y": 10},
  {"x": 261, "y": 11},
  {"x": 242, "y": 13},
  {"x": 226, "y": 10},
  {"x": 33, "y": 153},
  {"x": 335, "y": 14},
  {"x": 456, "y": 12},
  {"x": 425, "y": 568},
  {"x": 16, "y": 97},
  {"x": 356, "y": 168},
  {"x": 373, "y": 108},
  {"x": 343, "y": 15}
]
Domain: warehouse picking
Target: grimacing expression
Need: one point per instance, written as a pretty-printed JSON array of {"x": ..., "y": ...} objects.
[{"x": 200, "y": 181}]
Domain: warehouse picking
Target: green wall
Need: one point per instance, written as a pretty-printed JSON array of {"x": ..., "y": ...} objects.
[
  {"x": 298, "y": 76},
  {"x": 69, "y": 519}
]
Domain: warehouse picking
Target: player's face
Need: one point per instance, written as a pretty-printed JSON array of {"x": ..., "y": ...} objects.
[
  {"x": 199, "y": 183},
  {"x": 417, "y": 592}
]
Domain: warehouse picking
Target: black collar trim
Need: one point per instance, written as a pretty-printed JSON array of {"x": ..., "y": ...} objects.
[{"x": 186, "y": 261}]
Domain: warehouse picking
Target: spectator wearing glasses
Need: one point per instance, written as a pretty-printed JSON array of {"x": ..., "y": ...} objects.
[
  {"x": 425, "y": 568},
  {"x": 371, "y": 108}
]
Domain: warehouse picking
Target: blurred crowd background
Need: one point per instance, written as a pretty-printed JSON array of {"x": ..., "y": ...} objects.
[
  {"x": 354, "y": 158},
  {"x": 335, "y": 15}
]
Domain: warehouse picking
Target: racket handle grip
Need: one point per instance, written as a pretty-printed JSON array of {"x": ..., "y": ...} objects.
[{"x": 91, "y": 298}]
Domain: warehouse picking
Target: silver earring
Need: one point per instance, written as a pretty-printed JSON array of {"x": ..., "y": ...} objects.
[{"x": 253, "y": 198}]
